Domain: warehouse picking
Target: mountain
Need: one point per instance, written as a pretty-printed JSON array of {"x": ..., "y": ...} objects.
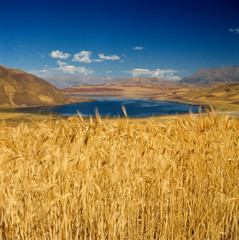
[
  {"x": 21, "y": 89},
  {"x": 71, "y": 80},
  {"x": 207, "y": 77},
  {"x": 140, "y": 81}
]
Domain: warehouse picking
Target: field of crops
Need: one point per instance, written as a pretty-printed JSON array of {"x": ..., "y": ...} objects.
[{"x": 120, "y": 179}]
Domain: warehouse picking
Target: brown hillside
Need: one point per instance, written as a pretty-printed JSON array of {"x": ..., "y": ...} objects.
[
  {"x": 222, "y": 96},
  {"x": 21, "y": 89}
]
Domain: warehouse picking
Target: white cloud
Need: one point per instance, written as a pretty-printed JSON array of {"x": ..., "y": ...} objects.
[
  {"x": 43, "y": 71},
  {"x": 58, "y": 54},
  {"x": 162, "y": 72},
  {"x": 138, "y": 48},
  {"x": 98, "y": 60},
  {"x": 63, "y": 68},
  {"x": 60, "y": 63},
  {"x": 40, "y": 73},
  {"x": 235, "y": 30},
  {"x": 70, "y": 69},
  {"x": 167, "y": 74},
  {"x": 139, "y": 72},
  {"x": 112, "y": 57},
  {"x": 171, "y": 77},
  {"x": 83, "y": 56},
  {"x": 108, "y": 71}
]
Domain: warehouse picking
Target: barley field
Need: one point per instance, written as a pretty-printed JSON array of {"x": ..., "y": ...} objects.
[{"x": 120, "y": 179}]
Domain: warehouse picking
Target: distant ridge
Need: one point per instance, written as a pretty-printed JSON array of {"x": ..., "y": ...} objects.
[
  {"x": 208, "y": 77},
  {"x": 140, "y": 81},
  {"x": 21, "y": 89},
  {"x": 66, "y": 81}
]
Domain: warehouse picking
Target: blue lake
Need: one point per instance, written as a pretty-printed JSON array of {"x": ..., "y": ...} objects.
[{"x": 113, "y": 107}]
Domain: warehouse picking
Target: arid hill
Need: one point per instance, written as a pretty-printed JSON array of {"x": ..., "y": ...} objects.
[
  {"x": 222, "y": 96},
  {"x": 208, "y": 77},
  {"x": 218, "y": 94},
  {"x": 21, "y": 89}
]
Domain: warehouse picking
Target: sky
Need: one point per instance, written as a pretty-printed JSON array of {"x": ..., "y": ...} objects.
[{"x": 126, "y": 38}]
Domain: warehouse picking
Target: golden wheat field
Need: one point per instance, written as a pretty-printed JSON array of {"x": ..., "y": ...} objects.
[{"x": 120, "y": 179}]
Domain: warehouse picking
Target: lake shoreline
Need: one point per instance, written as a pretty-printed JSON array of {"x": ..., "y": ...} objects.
[
  {"x": 47, "y": 113},
  {"x": 220, "y": 100},
  {"x": 15, "y": 116}
]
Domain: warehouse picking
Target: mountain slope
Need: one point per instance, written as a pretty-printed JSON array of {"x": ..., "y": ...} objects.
[
  {"x": 140, "y": 81},
  {"x": 207, "y": 77},
  {"x": 21, "y": 89}
]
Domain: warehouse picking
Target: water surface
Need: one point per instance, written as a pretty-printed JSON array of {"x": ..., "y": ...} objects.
[{"x": 113, "y": 107}]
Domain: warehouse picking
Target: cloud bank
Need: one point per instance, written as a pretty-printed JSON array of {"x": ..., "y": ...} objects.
[
  {"x": 138, "y": 48},
  {"x": 71, "y": 69},
  {"x": 235, "y": 30},
  {"x": 112, "y": 57},
  {"x": 63, "y": 67},
  {"x": 60, "y": 63},
  {"x": 85, "y": 57},
  {"x": 167, "y": 74}
]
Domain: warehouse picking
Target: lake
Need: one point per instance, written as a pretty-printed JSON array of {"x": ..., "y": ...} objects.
[{"x": 113, "y": 107}]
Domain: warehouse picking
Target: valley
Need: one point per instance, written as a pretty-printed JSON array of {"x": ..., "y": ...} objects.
[
  {"x": 222, "y": 96},
  {"x": 22, "y": 90}
]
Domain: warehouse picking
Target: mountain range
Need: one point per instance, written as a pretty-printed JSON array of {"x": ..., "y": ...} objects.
[
  {"x": 203, "y": 78},
  {"x": 71, "y": 80},
  {"x": 208, "y": 77},
  {"x": 139, "y": 81}
]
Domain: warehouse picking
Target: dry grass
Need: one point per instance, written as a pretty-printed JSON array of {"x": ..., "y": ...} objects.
[{"x": 176, "y": 179}]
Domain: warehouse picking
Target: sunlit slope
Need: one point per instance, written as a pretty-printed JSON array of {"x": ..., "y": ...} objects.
[
  {"x": 120, "y": 179},
  {"x": 21, "y": 89},
  {"x": 223, "y": 96}
]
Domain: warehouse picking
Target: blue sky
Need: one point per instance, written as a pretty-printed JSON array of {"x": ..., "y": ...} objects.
[{"x": 169, "y": 39}]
